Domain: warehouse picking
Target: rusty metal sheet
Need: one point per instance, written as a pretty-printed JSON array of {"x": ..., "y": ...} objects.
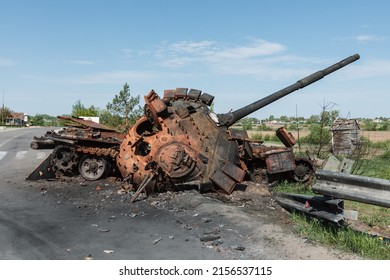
[
  {"x": 181, "y": 93},
  {"x": 158, "y": 105},
  {"x": 206, "y": 98},
  {"x": 234, "y": 172},
  {"x": 280, "y": 162},
  {"x": 238, "y": 133},
  {"x": 182, "y": 112},
  {"x": 194, "y": 94},
  {"x": 87, "y": 123},
  {"x": 223, "y": 181},
  {"x": 286, "y": 137},
  {"x": 169, "y": 94}
]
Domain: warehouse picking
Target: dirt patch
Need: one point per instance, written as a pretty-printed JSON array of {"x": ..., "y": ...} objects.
[
  {"x": 377, "y": 136},
  {"x": 373, "y": 136}
]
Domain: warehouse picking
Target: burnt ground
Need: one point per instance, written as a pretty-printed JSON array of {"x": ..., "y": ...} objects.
[{"x": 248, "y": 224}]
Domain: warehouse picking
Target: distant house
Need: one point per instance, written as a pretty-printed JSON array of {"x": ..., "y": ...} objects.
[
  {"x": 377, "y": 121},
  {"x": 94, "y": 119},
  {"x": 19, "y": 119},
  {"x": 345, "y": 136}
]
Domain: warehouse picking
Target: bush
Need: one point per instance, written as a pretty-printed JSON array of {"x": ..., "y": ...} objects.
[
  {"x": 263, "y": 127},
  {"x": 386, "y": 152},
  {"x": 318, "y": 135},
  {"x": 257, "y": 136}
]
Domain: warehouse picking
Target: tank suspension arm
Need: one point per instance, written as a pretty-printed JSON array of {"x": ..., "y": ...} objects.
[{"x": 230, "y": 118}]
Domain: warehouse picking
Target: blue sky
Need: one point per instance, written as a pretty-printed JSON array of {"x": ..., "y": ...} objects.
[{"x": 53, "y": 53}]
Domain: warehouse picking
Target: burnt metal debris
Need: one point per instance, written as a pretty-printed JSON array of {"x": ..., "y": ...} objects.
[
  {"x": 181, "y": 142},
  {"x": 83, "y": 147}
]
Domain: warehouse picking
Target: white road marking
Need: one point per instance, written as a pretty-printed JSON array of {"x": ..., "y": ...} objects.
[
  {"x": 2, "y": 154},
  {"x": 20, "y": 154},
  {"x": 41, "y": 155},
  {"x": 13, "y": 138}
]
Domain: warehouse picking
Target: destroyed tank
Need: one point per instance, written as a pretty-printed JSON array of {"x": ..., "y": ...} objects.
[
  {"x": 82, "y": 147},
  {"x": 180, "y": 142}
]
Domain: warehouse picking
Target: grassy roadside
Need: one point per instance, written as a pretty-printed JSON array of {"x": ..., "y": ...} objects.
[
  {"x": 369, "y": 237},
  {"x": 345, "y": 238},
  {"x": 366, "y": 239}
]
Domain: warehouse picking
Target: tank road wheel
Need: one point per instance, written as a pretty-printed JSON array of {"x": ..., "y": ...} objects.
[
  {"x": 64, "y": 160},
  {"x": 303, "y": 172},
  {"x": 93, "y": 168}
]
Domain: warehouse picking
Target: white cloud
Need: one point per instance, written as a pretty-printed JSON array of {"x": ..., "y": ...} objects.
[
  {"x": 6, "y": 62},
  {"x": 111, "y": 77},
  {"x": 361, "y": 39},
  {"x": 81, "y": 62},
  {"x": 258, "y": 48},
  {"x": 177, "y": 62},
  {"x": 365, "y": 38},
  {"x": 369, "y": 68},
  {"x": 247, "y": 58},
  {"x": 193, "y": 47},
  {"x": 127, "y": 52}
]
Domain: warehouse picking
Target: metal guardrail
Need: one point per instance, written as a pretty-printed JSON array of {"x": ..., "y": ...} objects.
[
  {"x": 314, "y": 206},
  {"x": 353, "y": 187},
  {"x": 334, "y": 187}
]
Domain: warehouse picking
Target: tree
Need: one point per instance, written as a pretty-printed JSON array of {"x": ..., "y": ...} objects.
[
  {"x": 320, "y": 134},
  {"x": 38, "y": 120},
  {"x": 78, "y": 109},
  {"x": 247, "y": 124},
  {"x": 313, "y": 119},
  {"x": 125, "y": 106},
  {"x": 284, "y": 119},
  {"x": 4, "y": 113},
  {"x": 109, "y": 119},
  {"x": 45, "y": 120}
]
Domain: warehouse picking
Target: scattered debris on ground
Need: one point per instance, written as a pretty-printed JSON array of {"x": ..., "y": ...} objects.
[{"x": 247, "y": 224}]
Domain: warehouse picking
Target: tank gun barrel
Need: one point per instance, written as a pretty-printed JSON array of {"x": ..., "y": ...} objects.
[{"x": 230, "y": 118}]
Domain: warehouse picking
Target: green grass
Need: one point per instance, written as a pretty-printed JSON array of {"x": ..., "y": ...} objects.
[
  {"x": 377, "y": 167},
  {"x": 342, "y": 238},
  {"x": 371, "y": 215},
  {"x": 296, "y": 188},
  {"x": 371, "y": 219}
]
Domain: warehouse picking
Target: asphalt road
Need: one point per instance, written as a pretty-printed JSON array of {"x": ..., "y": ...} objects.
[
  {"x": 34, "y": 225},
  {"x": 74, "y": 219}
]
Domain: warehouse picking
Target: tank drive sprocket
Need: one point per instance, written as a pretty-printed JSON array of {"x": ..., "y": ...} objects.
[{"x": 64, "y": 160}]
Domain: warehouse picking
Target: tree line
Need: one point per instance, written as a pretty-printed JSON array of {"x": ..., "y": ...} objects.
[
  {"x": 124, "y": 110},
  {"x": 121, "y": 113}
]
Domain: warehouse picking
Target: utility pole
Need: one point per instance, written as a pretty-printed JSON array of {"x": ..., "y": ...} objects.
[{"x": 2, "y": 111}]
